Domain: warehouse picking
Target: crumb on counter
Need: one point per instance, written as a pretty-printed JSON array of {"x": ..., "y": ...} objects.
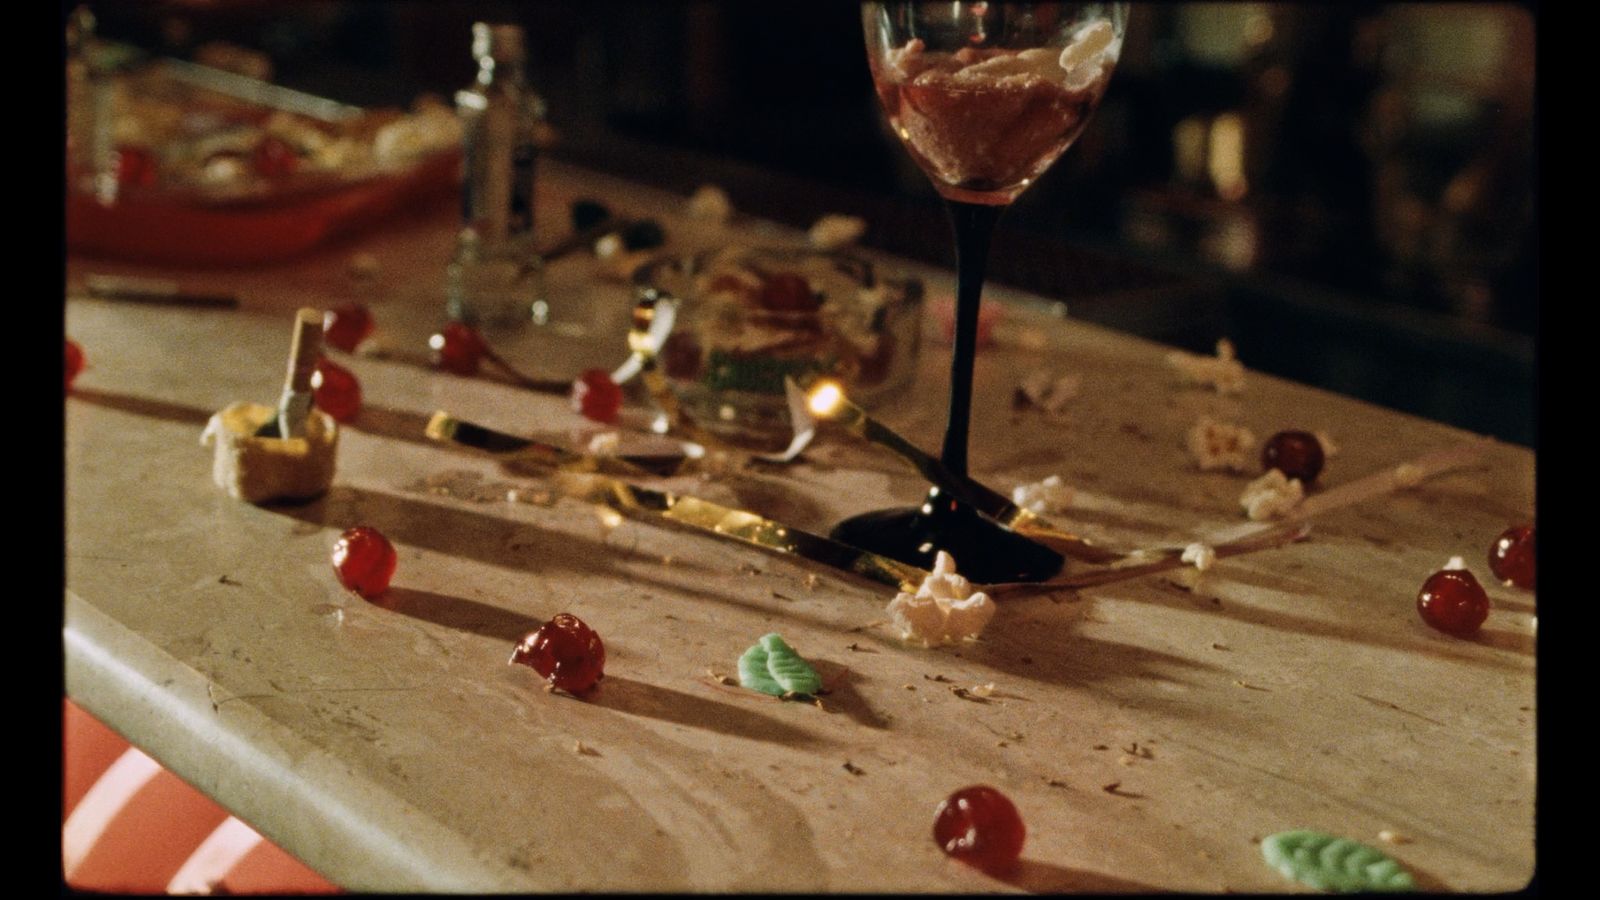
[{"x": 1272, "y": 495}]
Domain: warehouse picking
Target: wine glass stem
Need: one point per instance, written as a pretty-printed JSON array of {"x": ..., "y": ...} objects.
[{"x": 974, "y": 225}]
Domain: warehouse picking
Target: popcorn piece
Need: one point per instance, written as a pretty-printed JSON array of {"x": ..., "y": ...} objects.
[
  {"x": 1407, "y": 475},
  {"x": 1201, "y": 556},
  {"x": 944, "y": 609},
  {"x": 1219, "y": 445},
  {"x": 1455, "y": 564},
  {"x": 1043, "y": 497},
  {"x": 604, "y": 444},
  {"x": 833, "y": 232},
  {"x": 710, "y": 204},
  {"x": 1048, "y": 391},
  {"x": 1222, "y": 372},
  {"x": 609, "y": 246},
  {"x": 1271, "y": 495}
]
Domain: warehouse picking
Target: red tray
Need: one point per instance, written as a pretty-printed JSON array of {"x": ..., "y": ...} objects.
[{"x": 154, "y": 228}]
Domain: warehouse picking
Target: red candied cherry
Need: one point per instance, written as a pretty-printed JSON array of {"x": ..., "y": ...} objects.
[
  {"x": 74, "y": 361},
  {"x": 787, "y": 292},
  {"x": 1452, "y": 600},
  {"x": 979, "y": 826},
  {"x": 1297, "y": 454},
  {"x": 458, "y": 348},
  {"x": 565, "y": 652},
  {"x": 335, "y": 390},
  {"x": 135, "y": 165},
  {"x": 364, "y": 560},
  {"x": 1511, "y": 559},
  {"x": 345, "y": 327},
  {"x": 274, "y": 157},
  {"x": 596, "y": 396}
]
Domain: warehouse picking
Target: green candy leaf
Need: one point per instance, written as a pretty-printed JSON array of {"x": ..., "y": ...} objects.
[
  {"x": 1331, "y": 863},
  {"x": 772, "y": 667}
]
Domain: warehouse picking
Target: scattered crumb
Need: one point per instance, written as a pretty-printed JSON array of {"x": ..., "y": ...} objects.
[
  {"x": 1407, "y": 475},
  {"x": 229, "y": 581},
  {"x": 1102, "y": 747},
  {"x": 720, "y": 678},
  {"x": 853, "y": 769},
  {"x": 935, "y": 678},
  {"x": 1137, "y": 751},
  {"x": 363, "y": 266},
  {"x": 1043, "y": 498},
  {"x": 983, "y": 690},
  {"x": 1217, "y": 646},
  {"x": 1272, "y": 495},
  {"x": 782, "y": 596},
  {"x": 1251, "y": 686},
  {"x": 1393, "y": 837},
  {"x": 609, "y": 518},
  {"x": 668, "y": 559},
  {"x": 1043, "y": 389},
  {"x": 965, "y": 694},
  {"x": 1221, "y": 446},
  {"x": 1223, "y": 372},
  {"x": 604, "y": 444},
  {"x": 1201, "y": 556},
  {"x": 1056, "y": 783},
  {"x": 833, "y": 232},
  {"x": 1125, "y": 760},
  {"x": 810, "y": 581},
  {"x": 582, "y": 749},
  {"x": 909, "y": 687},
  {"x": 709, "y": 204}
]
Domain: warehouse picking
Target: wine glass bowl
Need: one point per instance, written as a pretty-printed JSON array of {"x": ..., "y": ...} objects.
[{"x": 985, "y": 96}]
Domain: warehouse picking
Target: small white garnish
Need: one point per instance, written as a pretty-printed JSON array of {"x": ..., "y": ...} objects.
[
  {"x": 1219, "y": 445},
  {"x": 1455, "y": 564},
  {"x": 1043, "y": 497},
  {"x": 832, "y": 232},
  {"x": 1048, "y": 391},
  {"x": 604, "y": 444},
  {"x": 1222, "y": 372},
  {"x": 1271, "y": 496},
  {"x": 1201, "y": 556},
  {"x": 609, "y": 246},
  {"x": 710, "y": 204},
  {"x": 944, "y": 609},
  {"x": 1407, "y": 475}
]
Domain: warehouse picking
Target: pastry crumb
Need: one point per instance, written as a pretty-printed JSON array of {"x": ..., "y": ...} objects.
[{"x": 1223, "y": 372}]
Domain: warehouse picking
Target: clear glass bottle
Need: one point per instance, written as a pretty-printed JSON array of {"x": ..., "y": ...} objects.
[{"x": 495, "y": 280}]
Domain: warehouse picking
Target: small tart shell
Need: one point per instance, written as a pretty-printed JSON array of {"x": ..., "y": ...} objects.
[{"x": 261, "y": 469}]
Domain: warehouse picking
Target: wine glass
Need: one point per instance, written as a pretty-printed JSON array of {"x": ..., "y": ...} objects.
[{"x": 985, "y": 96}]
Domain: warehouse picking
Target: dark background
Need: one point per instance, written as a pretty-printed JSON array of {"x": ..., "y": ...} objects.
[{"x": 1347, "y": 191}]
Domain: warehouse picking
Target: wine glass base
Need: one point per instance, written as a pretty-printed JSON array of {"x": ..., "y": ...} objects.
[{"x": 985, "y": 553}]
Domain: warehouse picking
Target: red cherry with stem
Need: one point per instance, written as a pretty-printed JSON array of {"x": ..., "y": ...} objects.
[
  {"x": 345, "y": 327},
  {"x": 364, "y": 560},
  {"x": 787, "y": 292},
  {"x": 1452, "y": 601},
  {"x": 335, "y": 390},
  {"x": 1297, "y": 454},
  {"x": 74, "y": 361},
  {"x": 979, "y": 826},
  {"x": 274, "y": 157},
  {"x": 565, "y": 652},
  {"x": 596, "y": 396},
  {"x": 135, "y": 165},
  {"x": 458, "y": 348},
  {"x": 1511, "y": 558}
]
